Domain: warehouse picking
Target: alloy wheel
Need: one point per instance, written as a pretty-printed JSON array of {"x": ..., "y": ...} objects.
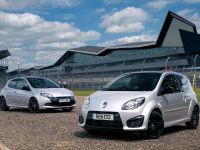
[
  {"x": 155, "y": 125},
  {"x": 3, "y": 104},
  {"x": 33, "y": 106}
]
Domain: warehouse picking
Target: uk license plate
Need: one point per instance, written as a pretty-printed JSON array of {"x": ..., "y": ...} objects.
[
  {"x": 109, "y": 117},
  {"x": 63, "y": 100}
]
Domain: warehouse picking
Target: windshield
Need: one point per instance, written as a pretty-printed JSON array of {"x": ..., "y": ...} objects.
[
  {"x": 134, "y": 82},
  {"x": 42, "y": 83}
]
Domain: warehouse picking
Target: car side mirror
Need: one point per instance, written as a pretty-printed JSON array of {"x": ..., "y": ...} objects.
[
  {"x": 25, "y": 88},
  {"x": 100, "y": 88},
  {"x": 65, "y": 86}
]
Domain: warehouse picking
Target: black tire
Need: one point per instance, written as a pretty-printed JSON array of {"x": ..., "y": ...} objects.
[
  {"x": 68, "y": 109},
  {"x": 3, "y": 104},
  {"x": 155, "y": 125},
  {"x": 33, "y": 105},
  {"x": 194, "y": 122}
]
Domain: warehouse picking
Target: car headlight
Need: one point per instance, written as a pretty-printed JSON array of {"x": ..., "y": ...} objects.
[
  {"x": 133, "y": 104},
  {"x": 86, "y": 103},
  {"x": 47, "y": 95}
]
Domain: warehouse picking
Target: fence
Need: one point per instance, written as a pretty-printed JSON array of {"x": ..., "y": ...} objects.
[
  {"x": 3, "y": 79},
  {"x": 97, "y": 80}
]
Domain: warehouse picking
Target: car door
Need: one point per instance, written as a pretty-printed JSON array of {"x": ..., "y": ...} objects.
[
  {"x": 11, "y": 92},
  {"x": 171, "y": 100},
  {"x": 23, "y": 93},
  {"x": 186, "y": 92}
]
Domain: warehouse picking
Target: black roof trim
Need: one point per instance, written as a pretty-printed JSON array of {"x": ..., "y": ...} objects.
[
  {"x": 138, "y": 45},
  {"x": 4, "y": 54}
]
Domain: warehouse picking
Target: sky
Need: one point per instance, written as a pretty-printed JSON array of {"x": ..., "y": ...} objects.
[{"x": 39, "y": 32}]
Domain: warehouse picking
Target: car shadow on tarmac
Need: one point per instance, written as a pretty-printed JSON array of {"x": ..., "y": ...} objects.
[{"x": 126, "y": 136}]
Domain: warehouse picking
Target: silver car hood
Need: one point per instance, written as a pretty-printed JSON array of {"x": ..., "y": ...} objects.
[
  {"x": 114, "y": 99},
  {"x": 56, "y": 92}
]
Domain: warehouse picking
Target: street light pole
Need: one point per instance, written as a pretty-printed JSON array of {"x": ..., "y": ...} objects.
[
  {"x": 195, "y": 58},
  {"x": 18, "y": 70},
  {"x": 195, "y": 69},
  {"x": 122, "y": 67},
  {"x": 166, "y": 62}
]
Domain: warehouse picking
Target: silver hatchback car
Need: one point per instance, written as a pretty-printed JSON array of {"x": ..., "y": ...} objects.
[
  {"x": 36, "y": 93},
  {"x": 142, "y": 101}
]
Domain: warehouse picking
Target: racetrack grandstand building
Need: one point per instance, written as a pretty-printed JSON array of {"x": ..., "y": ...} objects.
[{"x": 91, "y": 66}]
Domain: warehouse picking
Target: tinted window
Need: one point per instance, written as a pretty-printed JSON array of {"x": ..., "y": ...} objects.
[
  {"x": 12, "y": 84},
  {"x": 21, "y": 83},
  {"x": 134, "y": 82},
  {"x": 183, "y": 82},
  {"x": 171, "y": 82},
  {"x": 42, "y": 83}
]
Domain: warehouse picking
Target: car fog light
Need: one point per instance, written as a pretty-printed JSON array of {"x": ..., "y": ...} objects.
[{"x": 135, "y": 122}]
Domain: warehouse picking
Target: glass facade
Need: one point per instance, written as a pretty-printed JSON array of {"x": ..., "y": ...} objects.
[{"x": 80, "y": 61}]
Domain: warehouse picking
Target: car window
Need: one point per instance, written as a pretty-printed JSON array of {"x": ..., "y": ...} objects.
[
  {"x": 134, "y": 82},
  {"x": 183, "y": 82},
  {"x": 21, "y": 83},
  {"x": 170, "y": 82},
  {"x": 42, "y": 83},
  {"x": 12, "y": 84}
]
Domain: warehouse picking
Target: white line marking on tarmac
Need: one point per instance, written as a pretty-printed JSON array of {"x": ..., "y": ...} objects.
[{"x": 3, "y": 147}]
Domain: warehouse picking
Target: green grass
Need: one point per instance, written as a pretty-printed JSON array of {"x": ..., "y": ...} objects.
[
  {"x": 197, "y": 91},
  {"x": 88, "y": 92},
  {"x": 83, "y": 92}
]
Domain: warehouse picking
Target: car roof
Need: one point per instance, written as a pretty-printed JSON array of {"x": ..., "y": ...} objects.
[
  {"x": 25, "y": 77},
  {"x": 150, "y": 72},
  {"x": 164, "y": 72}
]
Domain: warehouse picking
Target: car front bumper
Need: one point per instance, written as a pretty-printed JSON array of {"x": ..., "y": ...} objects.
[
  {"x": 46, "y": 103},
  {"x": 123, "y": 120},
  {"x": 58, "y": 107}
]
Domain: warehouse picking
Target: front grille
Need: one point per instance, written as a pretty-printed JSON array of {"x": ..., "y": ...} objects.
[
  {"x": 55, "y": 101},
  {"x": 60, "y": 104},
  {"x": 115, "y": 124}
]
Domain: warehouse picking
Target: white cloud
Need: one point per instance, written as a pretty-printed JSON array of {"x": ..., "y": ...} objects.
[
  {"x": 20, "y": 4},
  {"x": 60, "y": 45},
  {"x": 129, "y": 19},
  {"x": 100, "y": 10},
  {"x": 158, "y": 4},
  {"x": 111, "y": 2},
  {"x": 192, "y": 15},
  {"x": 185, "y": 12},
  {"x": 27, "y": 34},
  {"x": 67, "y": 16},
  {"x": 192, "y": 1},
  {"x": 44, "y": 56},
  {"x": 19, "y": 20},
  {"x": 130, "y": 39}
]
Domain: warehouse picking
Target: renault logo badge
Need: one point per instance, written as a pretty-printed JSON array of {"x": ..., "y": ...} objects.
[{"x": 104, "y": 104}]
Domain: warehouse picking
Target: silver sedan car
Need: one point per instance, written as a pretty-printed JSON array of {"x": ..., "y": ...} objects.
[
  {"x": 142, "y": 101},
  {"x": 36, "y": 93}
]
